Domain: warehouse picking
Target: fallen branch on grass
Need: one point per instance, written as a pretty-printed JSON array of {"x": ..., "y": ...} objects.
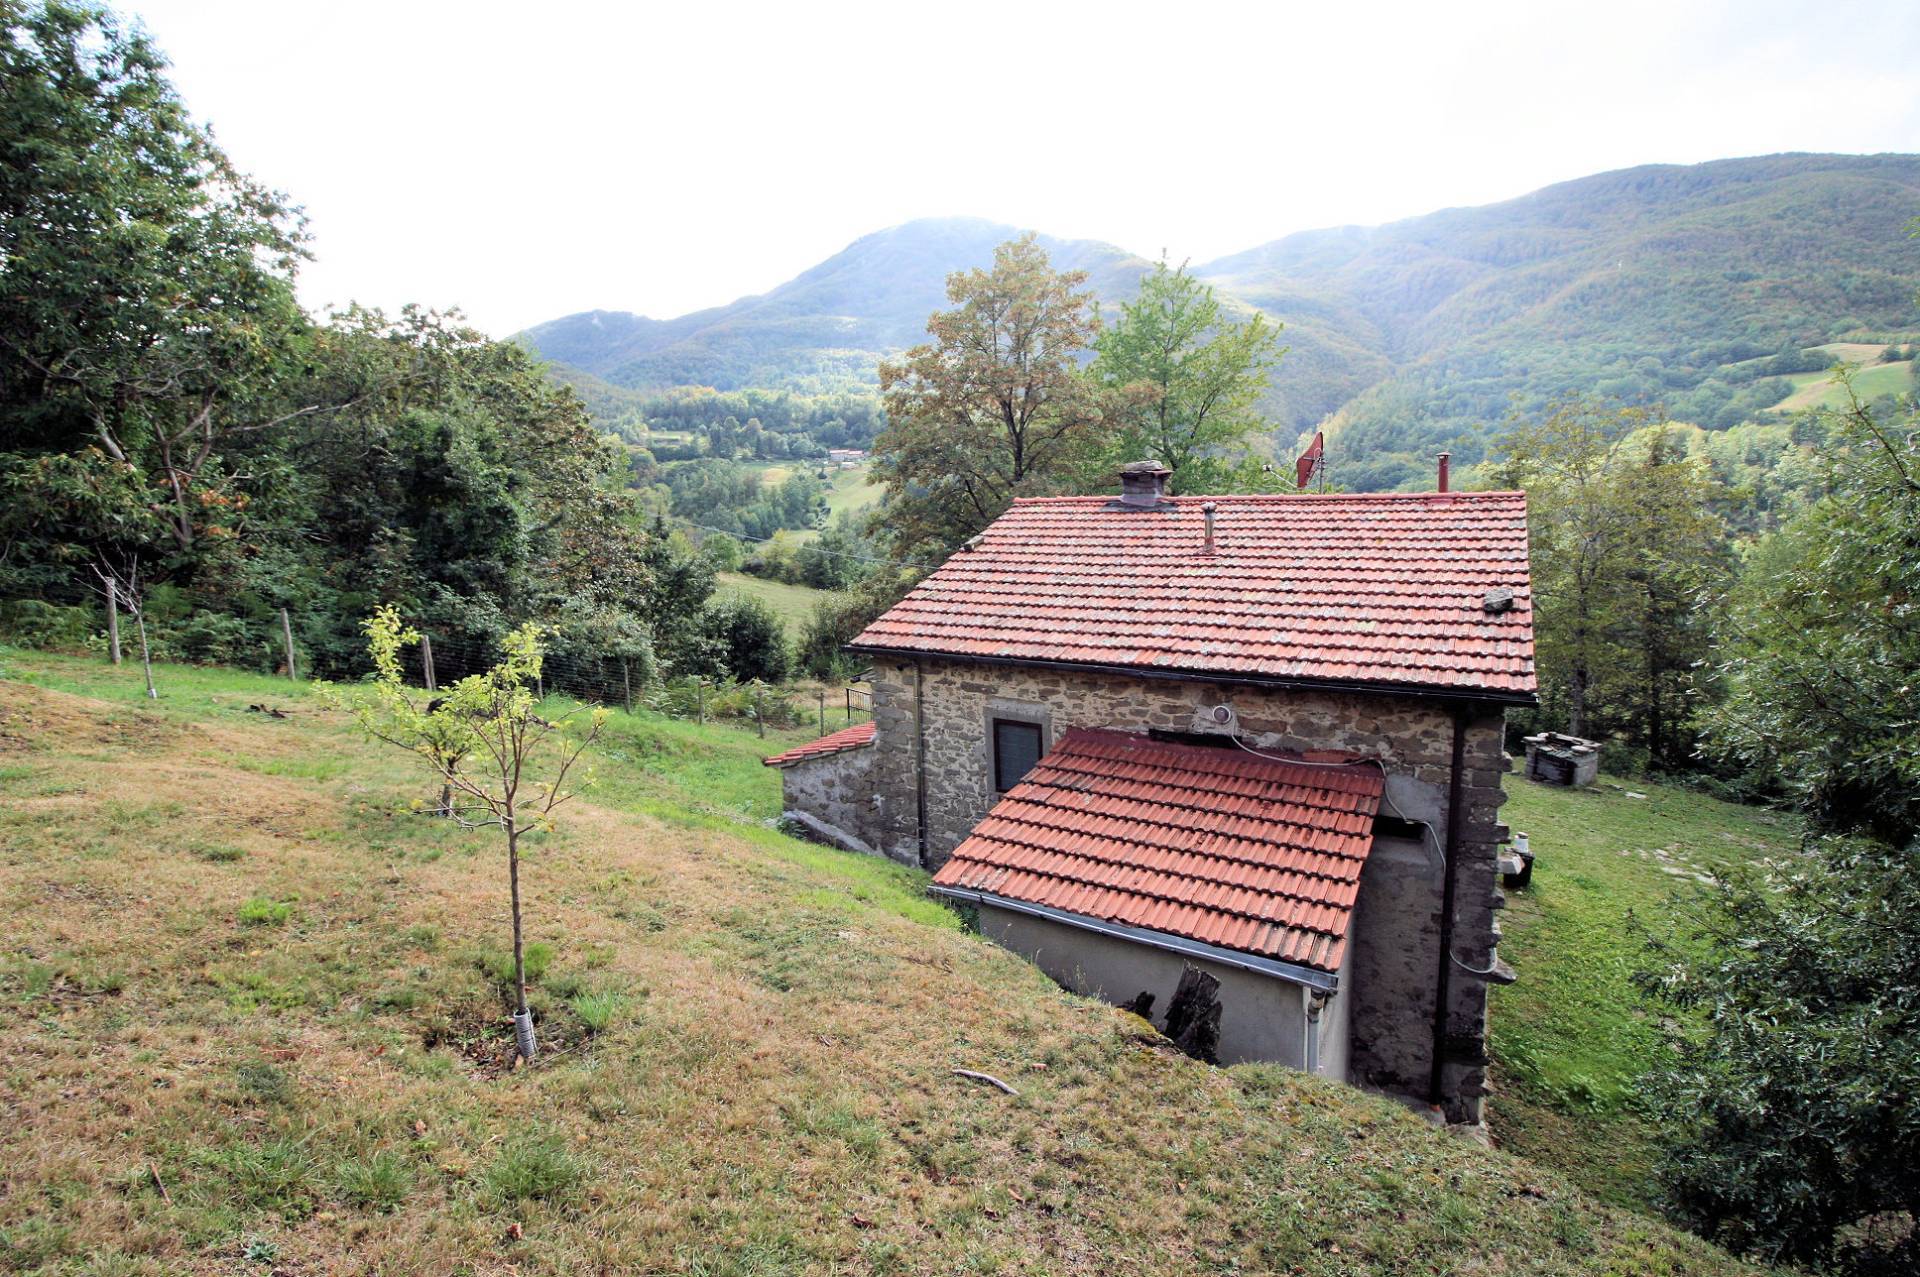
[{"x": 988, "y": 1078}]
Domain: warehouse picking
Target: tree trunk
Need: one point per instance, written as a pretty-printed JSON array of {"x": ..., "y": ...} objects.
[
  {"x": 1193, "y": 1017},
  {"x": 113, "y": 618},
  {"x": 523, "y": 1020},
  {"x": 1577, "y": 703}
]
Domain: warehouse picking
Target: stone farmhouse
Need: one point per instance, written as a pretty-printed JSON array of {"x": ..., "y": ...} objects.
[{"x": 1258, "y": 736}]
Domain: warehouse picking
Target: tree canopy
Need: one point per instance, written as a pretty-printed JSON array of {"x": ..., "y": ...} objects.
[
  {"x": 996, "y": 406},
  {"x": 1186, "y": 378}
]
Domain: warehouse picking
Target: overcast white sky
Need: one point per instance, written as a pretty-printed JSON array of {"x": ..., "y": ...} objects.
[{"x": 525, "y": 161}]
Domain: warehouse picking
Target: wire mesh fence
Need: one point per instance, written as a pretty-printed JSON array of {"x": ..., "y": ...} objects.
[{"x": 122, "y": 625}]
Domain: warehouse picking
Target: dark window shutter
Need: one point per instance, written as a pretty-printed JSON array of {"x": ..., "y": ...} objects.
[{"x": 1016, "y": 748}]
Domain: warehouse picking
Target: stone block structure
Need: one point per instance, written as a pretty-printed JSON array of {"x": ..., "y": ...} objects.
[{"x": 1245, "y": 641}]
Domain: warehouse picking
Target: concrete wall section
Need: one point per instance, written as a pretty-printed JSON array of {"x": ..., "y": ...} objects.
[
  {"x": 1334, "y": 1035},
  {"x": 1261, "y": 1017}
]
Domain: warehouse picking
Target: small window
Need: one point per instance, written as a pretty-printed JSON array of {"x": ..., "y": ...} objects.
[{"x": 1016, "y": 748}]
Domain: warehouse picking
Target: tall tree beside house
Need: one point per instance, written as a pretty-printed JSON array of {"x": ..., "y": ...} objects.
[
  {"x": 1626, "y": 546},
  {"x": 1186, "y": 375},
  {"x": 995, "y": 407}
]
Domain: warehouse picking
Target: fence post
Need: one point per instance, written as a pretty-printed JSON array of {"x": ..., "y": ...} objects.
[
  {"x": 146, "y": 658},
  {"x": 113, "y": 618},
  {"x": 286, "y": 632},
  {"x": 700, "y": 697},
  {"x": 849, "y": 704},
  {"x": 759, "y": 716},
  {"x": 626, "y": 684},
  {"x": 426, "y": 662},
  {"x": 823, "y": 711}
]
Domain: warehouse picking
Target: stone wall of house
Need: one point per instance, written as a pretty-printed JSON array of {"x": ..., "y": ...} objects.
[
  {"x": 836, "y": 798},
  {"x": 947, "y": 708}
]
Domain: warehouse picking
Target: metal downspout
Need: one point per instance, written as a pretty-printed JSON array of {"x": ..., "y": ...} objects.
[{"x": 1449, "y": 889}]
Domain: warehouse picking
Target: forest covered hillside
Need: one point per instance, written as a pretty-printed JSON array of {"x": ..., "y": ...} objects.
[
  {"x": 825, "y": 329},
  {"x": 1703, "y": 288}
]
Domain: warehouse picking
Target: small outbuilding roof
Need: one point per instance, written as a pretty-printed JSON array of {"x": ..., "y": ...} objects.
[
  {"x": 1218, "y": 846},
  {"x": 859, "y": 736},
  {"x": 1427, "y": 592}
]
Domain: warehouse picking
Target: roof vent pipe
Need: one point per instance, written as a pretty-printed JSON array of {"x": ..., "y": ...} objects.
[
  {"x": 1208, "y": 510},
  {"x": 1143, "y": 484},
  {"x": 1446, "y": 461}
]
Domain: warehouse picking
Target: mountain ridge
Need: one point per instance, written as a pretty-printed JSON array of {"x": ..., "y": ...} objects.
[{"x": 1653, "y": 283}]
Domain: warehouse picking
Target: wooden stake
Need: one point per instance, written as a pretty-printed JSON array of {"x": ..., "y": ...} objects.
[
  {"x": 700, "y": 697},
  {"x": 146, "y": 659},
  {"x": 759, "y": 717},
  {"x": 113, "y": 618},
  {"x": 849, "y": 704},
  {"x": 823, "y": 711},
  {"x": 426, "y": 662},
  {"x": 286, "y": 631},
  {"x": 626, "y": 683}
]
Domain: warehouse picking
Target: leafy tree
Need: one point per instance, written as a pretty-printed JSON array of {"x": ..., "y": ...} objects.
[
  {"x": 1792, "y": 1114},
  {"x": 146, "y": 302},
  {"x": 751, "y": 639},
  {"x": 1625, "y": 544},
  {"x": 995, "y": 407},
  {"x": 1187, "y": 376},
  {"x": 722, "y": 551},
  {"x": 839, "y": 618},
  {"x": 505, "y": 765},
  {"x": 1821, "y": 663}
]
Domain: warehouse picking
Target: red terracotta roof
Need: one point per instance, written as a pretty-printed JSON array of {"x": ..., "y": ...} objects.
[
  {"x": 1211, "y": 844},
  {"x": 859, "y": 736},
  {"x": 1384, "y": 588}
]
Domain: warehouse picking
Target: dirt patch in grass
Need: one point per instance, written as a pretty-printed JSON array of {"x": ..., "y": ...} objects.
[{"x": 32, "y": 719}]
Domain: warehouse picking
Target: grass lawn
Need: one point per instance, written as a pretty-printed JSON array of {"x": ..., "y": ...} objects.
[
  {"x": 853, "y": 490},
  {"x": 256, "y": 1028},
  {"x": 1817, "y": 389},
  {"x": 1569, "y": 1038},
  {"x": 793, "y": 604}
]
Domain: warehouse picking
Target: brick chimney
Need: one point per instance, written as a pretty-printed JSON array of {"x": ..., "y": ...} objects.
[{"x": 1143, "y": 484}]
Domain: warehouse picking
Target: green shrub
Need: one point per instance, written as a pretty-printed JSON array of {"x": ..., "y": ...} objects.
[
  {"x": 752, "y": 640},
  {"x": 31, "y": 623},
  {"x": 535, "y": 1167},
  {"x": 218, "y": 853},
  {"x": 259, "y": 911}
]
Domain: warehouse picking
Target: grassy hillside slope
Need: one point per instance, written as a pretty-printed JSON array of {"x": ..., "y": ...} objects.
[
  {"x": 1570, "y": 1037},
  {"x": 253, "y": 1028},
  {"x": 829, "y": 325},
  {"x": 1648, "y": 284}
]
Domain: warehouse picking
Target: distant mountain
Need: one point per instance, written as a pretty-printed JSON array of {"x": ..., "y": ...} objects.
[
  {"x": 1664, "y": 284},
  {"x": 1691, "y": 286},
  {"x": 828, "y": 326}
]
